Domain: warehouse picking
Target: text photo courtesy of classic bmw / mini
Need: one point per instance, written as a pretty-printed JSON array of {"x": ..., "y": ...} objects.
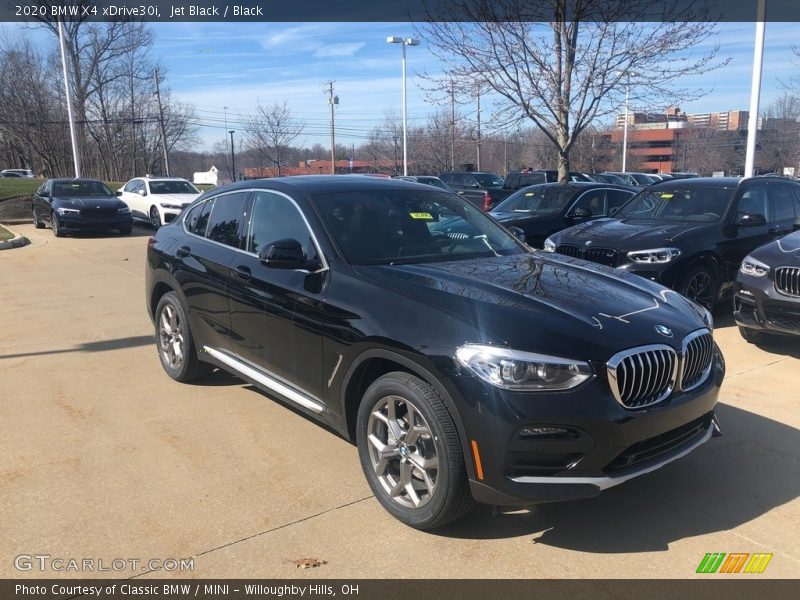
[{"x": 486, "y": 289}]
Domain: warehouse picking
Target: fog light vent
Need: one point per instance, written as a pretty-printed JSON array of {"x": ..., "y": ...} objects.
[{"x": 540, "y": 432}]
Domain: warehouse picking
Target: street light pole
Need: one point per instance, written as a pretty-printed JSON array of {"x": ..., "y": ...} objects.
[
  {"x": 76, "y": 159},
  {"x": 755, "y": 89},
  {"x": 404, "y": 42},
  {"x": 233, "y": 161},
  {"x": 625, "y": 127}
]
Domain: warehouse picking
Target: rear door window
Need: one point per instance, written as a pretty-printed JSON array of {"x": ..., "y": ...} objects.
[{"x": 197, "y": 219}]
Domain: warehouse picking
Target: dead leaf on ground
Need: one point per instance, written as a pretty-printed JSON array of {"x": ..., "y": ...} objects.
[{"x": 308, "y": 563}]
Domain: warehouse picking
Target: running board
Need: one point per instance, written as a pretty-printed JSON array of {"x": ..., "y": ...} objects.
[{"x": 265, "y": 380}]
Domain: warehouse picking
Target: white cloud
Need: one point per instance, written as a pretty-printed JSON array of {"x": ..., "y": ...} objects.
[{"x": 338, "y": 50}]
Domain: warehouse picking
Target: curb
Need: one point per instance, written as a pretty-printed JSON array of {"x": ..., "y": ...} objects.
[
  {"x": 16, "y": 242},
  {"x": 22, "y": 221}
]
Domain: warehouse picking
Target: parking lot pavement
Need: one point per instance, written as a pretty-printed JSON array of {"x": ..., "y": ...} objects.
[{"x": 102, "y": 456}]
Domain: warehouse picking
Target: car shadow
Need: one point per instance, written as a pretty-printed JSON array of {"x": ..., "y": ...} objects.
[
  {"x": 730, "y": 481},
  {"x": 138, "y": 231}
]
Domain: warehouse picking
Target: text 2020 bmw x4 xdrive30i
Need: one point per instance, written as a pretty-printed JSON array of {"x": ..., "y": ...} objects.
[{"x": 464, "y": 365}]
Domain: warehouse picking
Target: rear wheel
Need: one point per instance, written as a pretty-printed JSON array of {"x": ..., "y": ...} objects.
[
  {"x": 155, "y": 217},
  {"x": 410, "y": 452},
  {"x": 700, "y": 285},
  {"x": 36, "y": 222},
  {"x": 176, "y": 347},
  {"x": 752, "y": 336}
]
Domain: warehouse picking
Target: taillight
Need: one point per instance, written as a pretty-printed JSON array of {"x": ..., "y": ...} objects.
[
  {"x": 487, "y": 201},
  {"x": 151, "y": 242}
]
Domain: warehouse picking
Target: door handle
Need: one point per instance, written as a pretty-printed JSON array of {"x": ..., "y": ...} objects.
[
  {"x": 243, "y": 272},
  {"x": 183, "y": 251}
]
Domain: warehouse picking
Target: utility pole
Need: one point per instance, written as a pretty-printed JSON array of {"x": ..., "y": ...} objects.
[
  {"x": 233, "y": 160},
  {"x": 333, "y": 101},
  {"x": 479, "y": 129},
  {"x": 755, "y": 89},
  {"x": 161, "y": 122},
  {"x": 452, "y": 126},
  {"x": 76, "y": 159}
]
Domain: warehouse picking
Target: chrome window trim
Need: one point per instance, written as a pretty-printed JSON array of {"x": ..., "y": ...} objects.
[
  {"x": 684, "y": 348},
  {"x": 325, "y": 265}
]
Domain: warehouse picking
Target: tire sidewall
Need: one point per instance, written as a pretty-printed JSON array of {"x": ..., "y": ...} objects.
[
  {"x": 155, "y": 226},
  {"x": 694, "y": 270},
  {"x": 415, "y": 517},
  {"x": 172, "y": 299}
]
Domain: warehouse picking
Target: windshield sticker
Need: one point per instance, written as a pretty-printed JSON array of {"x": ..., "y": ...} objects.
[
  {"x": 665, "y": 195},
  {"x": 423, "y": 216},
  {"x": 529, "y": 194}
]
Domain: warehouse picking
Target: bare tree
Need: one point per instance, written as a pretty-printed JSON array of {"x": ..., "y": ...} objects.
[
  {"x": 271, "y": 132},
  {"x": 564, "y": 63}
]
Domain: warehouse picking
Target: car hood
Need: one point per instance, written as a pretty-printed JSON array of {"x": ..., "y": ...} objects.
[
  {"x": 630, "y": 234},
  {"x": 89, "y": 202},
  {"x": 177, "y": 199},
  {"x": 542, "y": 303},
  {"x": 782, "y": 252}
]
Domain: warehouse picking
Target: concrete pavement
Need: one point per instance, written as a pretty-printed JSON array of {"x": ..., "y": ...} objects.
[{"x": 102, "y": 456}]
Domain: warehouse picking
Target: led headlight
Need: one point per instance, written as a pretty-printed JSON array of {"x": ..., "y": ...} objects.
[
  {"x": 753, "y": 267},
  {"x": 517, "y": 370},
  {"x": 68, "y": 211},
  {"x": 173, "y": 206},
  {"x": 655, "y": 255},
  {"x": 124, "y": 211},
  {"x": 549, "y": 245}
]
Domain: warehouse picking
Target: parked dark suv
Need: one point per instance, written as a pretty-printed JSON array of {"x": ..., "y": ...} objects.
[
  {"x": 462, "y": 364},
  {"x": 481, "y": 188},
  {"x": 767, "y": 295},
  {"x": 689, "y": 234}
]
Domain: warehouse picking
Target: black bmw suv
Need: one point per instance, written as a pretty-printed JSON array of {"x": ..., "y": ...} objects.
[
  {"x": 462, "y": 364},
  {"x": 690, "y": 235}
]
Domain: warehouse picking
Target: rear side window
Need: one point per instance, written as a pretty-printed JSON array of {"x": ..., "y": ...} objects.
[
  {"x": 197, "y": 219},
  {"x": 226, "y": 218}
]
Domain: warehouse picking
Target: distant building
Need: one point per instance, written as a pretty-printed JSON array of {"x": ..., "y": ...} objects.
[{"x": 732, "y": 120}]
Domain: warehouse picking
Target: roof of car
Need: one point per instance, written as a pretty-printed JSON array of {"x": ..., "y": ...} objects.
[
  {"x": 700, "y": 182},
  {"x": 578, "y": 185},
  {"x": 315, "y": 184},
  {"x": 75, "y": 179}
]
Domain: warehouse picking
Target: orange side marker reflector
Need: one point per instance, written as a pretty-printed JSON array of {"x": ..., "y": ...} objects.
[{"x": 477, "y": 457}]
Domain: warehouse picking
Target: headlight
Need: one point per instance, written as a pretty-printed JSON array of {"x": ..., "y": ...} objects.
[
  {"x": 124, "y": 211},
  {"x": 173, "y": 206},
  {"x": 516, "y": 370},
  {"x": 549, "y": 245},
  {"x": 68, "y": 211},
  {"x": 753, "y": 267},
  {"x": 656, "y": 255}
]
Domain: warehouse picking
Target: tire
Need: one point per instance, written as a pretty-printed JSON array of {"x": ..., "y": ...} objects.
[
  {"x": 155, "y": 218},
  {"x": 125, "y": 230},
  {"x": 699, "y": 284},
  {"x": 56, "y": 225},
  {"x": 751, "y": 336},
  {"x": 36, "y": 222},
  {"x": 430, "y": 498},
  {"x": 177, "y": 351}
]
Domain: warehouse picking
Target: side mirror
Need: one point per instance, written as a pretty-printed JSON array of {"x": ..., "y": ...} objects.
[
  {"x": 476, "y": 185},
  {"x": 44, "y": 194},
  {"x": 283, "y": 254},
  {"x": 518, "y": 233},
  {"x": 613, "y": 211},
  {"x": 581, "y": 213},
  {"x": 751, "y": 220},
  {"x": 142, "y": 193},
  {"x": 118, "y": 194}
]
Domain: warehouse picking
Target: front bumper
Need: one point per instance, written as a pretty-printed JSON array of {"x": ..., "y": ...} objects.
[
  {"x": 759, "y": 306},
  {"x": 604, "y": 446},
  {"x": 79, "y": 223}
]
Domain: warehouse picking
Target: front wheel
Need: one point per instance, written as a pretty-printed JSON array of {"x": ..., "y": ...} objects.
[
  {"x": 56, "y": 225},
  {"x": 155, "y": 218},
  {"x": 176, "y": 347},
  {"x": 410, "y": 452},
  {"x": 699, "y": 284}
]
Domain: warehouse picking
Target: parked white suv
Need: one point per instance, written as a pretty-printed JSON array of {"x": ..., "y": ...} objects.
[
  {"x": 16, "y": 173},
  {"x": 157, "y": 200}
]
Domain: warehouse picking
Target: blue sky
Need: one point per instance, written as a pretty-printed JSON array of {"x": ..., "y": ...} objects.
[{"x": 213, "y": 65}]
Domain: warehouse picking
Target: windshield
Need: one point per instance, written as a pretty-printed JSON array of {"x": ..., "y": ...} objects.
[
  {"x": 172, "y": 187},
  {"x": 434, "y": 181},
  {"x": 676, "y": 204},
  {"x": 488, "y": 179},
  {"x": 402, "y": 226},
  {"x": 642, "y": 179},
  {"x": 537, "y": 199},
  {"x": 80, "y": 189}
]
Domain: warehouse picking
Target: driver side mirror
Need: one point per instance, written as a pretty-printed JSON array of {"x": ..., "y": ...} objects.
[
  {"x": 118, "y": 194},
  {"x": 283, "y": 254},
  {"x": 751, "y": 220},
  {"x": 518, "y": 233},
  {"x": 44, "y": 194},
  {"x": 142, "y": 192},
  {"x": 581, "y": 213}
]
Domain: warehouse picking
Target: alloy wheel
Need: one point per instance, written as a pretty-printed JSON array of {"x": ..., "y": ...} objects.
[
  {"x": 700, "y": 288},
  {"x": 170, "y": 336},
  {"x": 155, "y": 219},
  {"x": 402, "y": 451}
]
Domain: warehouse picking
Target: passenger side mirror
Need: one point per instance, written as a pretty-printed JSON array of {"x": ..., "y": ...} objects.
[
  {"x": 518, "y": 233},
  {"x": 283, "y": 254},
  {"x": 751, "y": 220},
  {"x": 118, "y": 194},
  {"x": 581, "y": 213},
  {"x": 142, "y": 193},
  {"x": 44, "y": 194}
]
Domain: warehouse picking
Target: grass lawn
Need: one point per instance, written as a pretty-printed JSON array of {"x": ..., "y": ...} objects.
[{"x": 5, "y": 234}]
